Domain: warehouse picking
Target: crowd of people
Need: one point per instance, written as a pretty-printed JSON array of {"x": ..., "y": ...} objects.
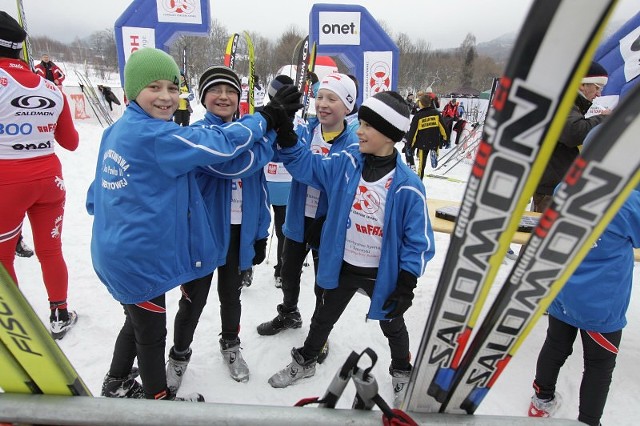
[{"x": 212, "y": 184}]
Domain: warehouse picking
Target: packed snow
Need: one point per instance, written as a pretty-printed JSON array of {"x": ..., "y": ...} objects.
[{"x": 89, "y": 345}]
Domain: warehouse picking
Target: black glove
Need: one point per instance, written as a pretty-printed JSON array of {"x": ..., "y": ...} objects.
[
  {"x": 402, "y": 295},
  {"x": 286, "y": 137},
  {"x": 286, "y": 101},
  {"x": 313, "y": 233},
  {"x": 260, "y": 249}
]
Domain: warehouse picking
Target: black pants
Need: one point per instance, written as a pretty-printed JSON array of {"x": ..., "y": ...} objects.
[
  {"x": 333, "y": 304},
  {"x": 182, "y": 117},
  {"x": 423, "y": 158},
  {"x": 143, "y": 335},
  {"x": 279, "y": 215},
  {"x": 190, "y": 307},
  {"x": 195, "y": 293},
  {"x": 600, "y": 352},
  {"x": 293, "y": 256},
  {"x": 230, "y": 288},
  {"x": 541, "y": 202}
]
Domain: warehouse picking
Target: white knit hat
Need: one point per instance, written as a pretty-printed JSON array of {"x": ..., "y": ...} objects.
[{"x": 341, "y": 85}]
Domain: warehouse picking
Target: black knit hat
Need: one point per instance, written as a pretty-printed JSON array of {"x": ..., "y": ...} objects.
[
  {"x": 217, "y": 74},
  {"x": 277, "y": 83},
  {"x": 11, "y": 36},
  {"x": 597, "y": 74},
  {"x": 387, "y": 112}
]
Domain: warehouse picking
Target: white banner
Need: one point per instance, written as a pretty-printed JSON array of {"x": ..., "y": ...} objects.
[
  {"x": 134, "y": 38},
  {"x": 339, "y": 28},
  {"x": 377, "y": 73},
  {"x": 630, "y": 51},
  {"x": 179, "y": 11}
]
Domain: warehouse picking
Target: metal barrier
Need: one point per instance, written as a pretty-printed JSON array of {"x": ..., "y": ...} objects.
[{"x": 88, "y": 411}]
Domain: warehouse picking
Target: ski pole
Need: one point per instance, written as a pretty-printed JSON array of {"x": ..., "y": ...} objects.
[
  {"x": 339, "y": 382},
  {"x": 273, "y": 226},
  {"x": 336, "y": 387}
]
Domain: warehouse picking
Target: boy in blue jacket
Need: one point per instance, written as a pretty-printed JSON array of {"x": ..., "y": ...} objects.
[
  {"x": 594, "y": 302},
  {"x": 324, "y": 135},
  {"x": 381, "y": 238},
  {"x": 152, "y": 230},
  {"x": 236, "y": 198}
]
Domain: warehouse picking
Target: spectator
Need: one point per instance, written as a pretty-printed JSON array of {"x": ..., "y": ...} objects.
[
  {"x": 183, "y": 113},
  {"x": 47, "y": 69},
  {"x": 425, "y": 134},
  {"x": 573, "y": 134}
]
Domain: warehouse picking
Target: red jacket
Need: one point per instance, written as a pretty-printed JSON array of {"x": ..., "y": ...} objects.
[
  {"x": 450, "y": 110},
  {"x": 51, "y": 72}
]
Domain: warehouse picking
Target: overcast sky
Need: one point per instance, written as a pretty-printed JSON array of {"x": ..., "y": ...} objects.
[{"x": 442, "y": 23}]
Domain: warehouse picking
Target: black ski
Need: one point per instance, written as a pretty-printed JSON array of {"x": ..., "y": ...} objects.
[
  {"x": 596, "y": 185},
  {"x": 527, "y": 115}
]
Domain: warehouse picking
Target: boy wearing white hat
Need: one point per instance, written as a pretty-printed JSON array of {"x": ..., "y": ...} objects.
[{"x": 325, "y": 134}]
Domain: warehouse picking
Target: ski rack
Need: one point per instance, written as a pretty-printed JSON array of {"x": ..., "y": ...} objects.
[{"x": 97, "y": 107}]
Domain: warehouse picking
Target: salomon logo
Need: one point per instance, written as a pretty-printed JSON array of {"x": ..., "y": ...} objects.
[{"x": 33, "y": 102}]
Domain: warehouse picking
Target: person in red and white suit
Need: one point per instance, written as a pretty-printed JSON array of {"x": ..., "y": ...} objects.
[{"x": 34, "y": 117}]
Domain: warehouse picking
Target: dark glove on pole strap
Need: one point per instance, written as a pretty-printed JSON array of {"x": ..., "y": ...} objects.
[
  {"x": 260, "y": 249},
  {"x": 314, "y": 232},
  {"x": 401, "y": 296},
  {"x": 285, "y": 102},
  {"x": 286, "y": 136}
]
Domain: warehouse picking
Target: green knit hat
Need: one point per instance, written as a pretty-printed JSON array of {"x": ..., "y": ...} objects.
[{"x": 146, "y": 65}]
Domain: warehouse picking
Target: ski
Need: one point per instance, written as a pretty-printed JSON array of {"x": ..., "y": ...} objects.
[
  {"x": 252, "y": 73},
  {"x": 98, "y": 108},
  {"x": 14, "y": 379},
  {"x": 26, "y": 47},
  {"x": 595, "y": 187},
  {"x": 303, "y": 55},
  {"x": 230, "y": 52},
  {"x": 307, "y": 88},
  {"x": 33, "y": 359},
  {"x": 522, "y": 126}
]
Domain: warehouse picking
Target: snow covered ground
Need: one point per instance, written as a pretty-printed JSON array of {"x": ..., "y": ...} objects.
[{"x": 89, "y": 345}]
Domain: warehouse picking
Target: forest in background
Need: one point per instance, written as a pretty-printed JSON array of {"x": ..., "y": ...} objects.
[{"x": 420, "y": 65}]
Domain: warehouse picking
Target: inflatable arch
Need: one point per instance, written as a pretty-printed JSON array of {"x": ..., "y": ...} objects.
[
  {"x": 355, "y": 37},
  {"x": 156, "y": 23}
]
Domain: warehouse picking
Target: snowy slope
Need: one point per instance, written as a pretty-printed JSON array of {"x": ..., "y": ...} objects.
[{"x": 90, "y": 344}]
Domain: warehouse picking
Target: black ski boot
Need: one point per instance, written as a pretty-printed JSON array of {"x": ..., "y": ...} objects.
[{"x": 287, "y": 318}]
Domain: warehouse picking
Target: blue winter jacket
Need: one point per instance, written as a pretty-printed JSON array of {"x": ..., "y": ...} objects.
[
  {"x": 407, "y": 241},
  {"x": 293, "y": 227},
  {"x": 151, "y": 230},
  {"x": 216, "y": 185},
  {"x": 597, "y": 295}
]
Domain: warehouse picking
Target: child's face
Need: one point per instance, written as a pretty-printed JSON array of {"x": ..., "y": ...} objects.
[
  {"x": 222, "y": 100},
  {"x": 330, "y": 109},
  {"x": 159, "y": 99},
  {"x": 372, "y": 141}
]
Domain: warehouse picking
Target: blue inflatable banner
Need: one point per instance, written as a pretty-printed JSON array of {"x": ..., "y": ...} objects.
[
  {"x": 156, "y": 23},
  {"x": 350, "y": 33},
  {"x": 620, "y": 56}
]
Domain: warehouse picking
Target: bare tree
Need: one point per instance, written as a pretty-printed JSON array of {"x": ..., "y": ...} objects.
[{"x": 468, "y": 54}]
